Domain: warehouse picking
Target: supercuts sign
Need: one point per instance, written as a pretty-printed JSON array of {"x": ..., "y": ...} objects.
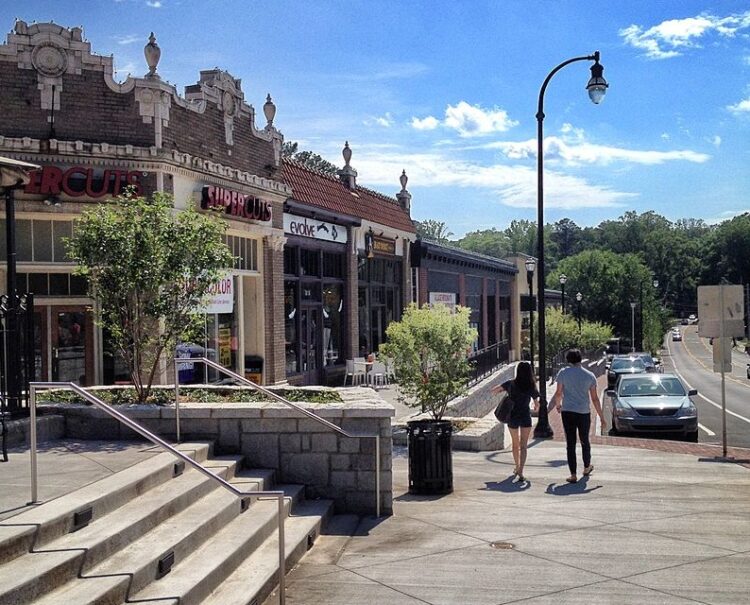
[
  {"x": 80, "y": 181},
  {"x": 236, "y": 204}
]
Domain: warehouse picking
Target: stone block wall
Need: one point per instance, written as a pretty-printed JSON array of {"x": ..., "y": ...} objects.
[
  {"x": 480, "y": 401},
  {"x": 271, "y": 435}
]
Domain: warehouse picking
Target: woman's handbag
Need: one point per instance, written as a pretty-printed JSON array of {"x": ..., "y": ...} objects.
[{"x": 502, "y": 411}]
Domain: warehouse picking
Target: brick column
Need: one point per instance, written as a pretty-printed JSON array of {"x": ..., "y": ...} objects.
[
  {"x": 424, "y": 286},
  {"x": 498, "y": 319},
  {"x": 462, "y": 289},
  {"x": 406, "y": 278},
  {"x": 485, "y": 329},
  {"x": 273, "y": 281}
]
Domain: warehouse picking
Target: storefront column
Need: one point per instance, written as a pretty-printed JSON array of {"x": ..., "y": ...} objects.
[
  {"x": 423, "y": 292},
  {"x": 498, "y": 319},
  {"x": 273, "y": 278},
  {"x": 406, "y": 274},
  {"x": 462, "y": 289},
  {"x": 485, "y": 329},
  {"x": 351, "y": 296}
]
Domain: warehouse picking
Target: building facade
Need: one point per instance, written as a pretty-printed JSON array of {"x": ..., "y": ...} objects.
[
  {"x": 346, "y": 269},
  {"x": 452, "y": 276},
  {"x": 61, "y": 109}
]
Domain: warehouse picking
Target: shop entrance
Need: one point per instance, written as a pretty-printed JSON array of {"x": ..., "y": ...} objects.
[
  {"x": 310, "y": 344},
  {"x": 64, "y": 344}
]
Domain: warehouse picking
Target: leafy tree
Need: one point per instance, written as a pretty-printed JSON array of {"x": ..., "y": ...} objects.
[
  {"x": 521, "y": 236},
  {"x": 310, "y": 159},
  {"x": 726, "y": 252},
  {"x": 434, "y": 230},
  {"x": 567, "y": 238},
  {"x": 149, "y": 269},
  {"x": 490, "y": 242},
  {"x": 428, "y": 349},
  {"x": 561, "y": 332}
]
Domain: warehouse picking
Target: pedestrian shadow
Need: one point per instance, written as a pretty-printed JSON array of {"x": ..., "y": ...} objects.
[
  {"x": 571, "y": 489},
  {"x": 506, "y": 486}
]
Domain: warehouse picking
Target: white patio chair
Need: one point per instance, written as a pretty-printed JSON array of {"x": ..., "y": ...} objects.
[
  {"x": 354, "y": 372},
  {"x": 378, "y": 375}
]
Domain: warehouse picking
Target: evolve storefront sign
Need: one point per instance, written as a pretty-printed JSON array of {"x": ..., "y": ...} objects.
[
  {"x": 314, "y": 229},
  {"x": 79, "y": 181},
  {"x": 236, "y": 204},
  {"x": 443, "y": 298}
]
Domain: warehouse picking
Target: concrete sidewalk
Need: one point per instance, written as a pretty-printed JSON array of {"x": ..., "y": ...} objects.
[{"x": 647, "y": 527}]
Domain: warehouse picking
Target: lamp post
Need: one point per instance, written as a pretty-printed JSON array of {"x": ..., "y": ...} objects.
[
  {"x": 596, "y": 87},
  {"x": 632, "y": 326},
  {"x": 530, "y": 266},
  {"x": 563, "y": 280},
  {"x": 579, "y": 298}
]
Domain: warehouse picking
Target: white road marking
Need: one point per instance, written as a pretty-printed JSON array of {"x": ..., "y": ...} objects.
[
  {"x": 709, "y": 432},
  {"x": 713, "y": 403}
]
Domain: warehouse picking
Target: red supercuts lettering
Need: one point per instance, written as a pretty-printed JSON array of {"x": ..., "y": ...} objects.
[
  {"x": 80, "y": 181},
  {"x": 236, "y": 204}
]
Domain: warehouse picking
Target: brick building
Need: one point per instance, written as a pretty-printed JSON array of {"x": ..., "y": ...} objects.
[
  {"x": 62, "y": 110},
  {"x": 346, "y": 269}
]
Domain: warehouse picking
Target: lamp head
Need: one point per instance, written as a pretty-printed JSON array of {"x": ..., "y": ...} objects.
[
  {"x": 530, "y": 265},
  {"x": 579, "y": 297},
  {"x": 563, "y": 279},
  {"x": 597, "y": 85},
  {"x": 656, "y": 283}
]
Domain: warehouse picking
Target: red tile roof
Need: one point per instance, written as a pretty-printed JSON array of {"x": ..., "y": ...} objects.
[{"x": 327, "y": 192}]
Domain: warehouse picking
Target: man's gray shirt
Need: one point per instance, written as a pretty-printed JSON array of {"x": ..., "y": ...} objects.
[{"x": 576, "y": 382}]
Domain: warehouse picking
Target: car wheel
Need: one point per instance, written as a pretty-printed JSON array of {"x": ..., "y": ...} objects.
[{"x": 692, "y": 437}]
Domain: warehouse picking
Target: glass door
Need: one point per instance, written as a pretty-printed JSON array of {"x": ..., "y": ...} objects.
[
  {"x": 310, "y": 344},
  {"x": 71, "y": 338}
]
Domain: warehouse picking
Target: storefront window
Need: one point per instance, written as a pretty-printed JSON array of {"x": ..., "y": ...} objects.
[
  {"x": 290, "y": 328},
  {"x": 380, "y": 300}
]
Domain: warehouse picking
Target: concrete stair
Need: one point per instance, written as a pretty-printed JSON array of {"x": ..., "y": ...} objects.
[{"x": 142, "y": 518}]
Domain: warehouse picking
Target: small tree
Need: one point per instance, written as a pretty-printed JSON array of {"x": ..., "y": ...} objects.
[
  {"x": 428, "y": 348},
  {"x": 149, "y": 268}
]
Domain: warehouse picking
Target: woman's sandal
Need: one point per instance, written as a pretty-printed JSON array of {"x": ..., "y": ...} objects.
[{"x": 572, "y": 479}]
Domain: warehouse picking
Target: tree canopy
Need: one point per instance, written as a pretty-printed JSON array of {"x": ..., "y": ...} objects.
[{"x": 310, "y": 159}]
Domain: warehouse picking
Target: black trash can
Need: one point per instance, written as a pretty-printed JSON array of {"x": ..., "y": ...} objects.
[
  {"x": 254, "y": 368},
  {"x": 430, "y": 460}
]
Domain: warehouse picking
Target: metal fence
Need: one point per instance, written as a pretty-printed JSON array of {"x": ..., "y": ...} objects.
[
  {"x": 17, "y": 360},
  {"x": 557, "y": 362},
  {"x": 487, "y": 360}
]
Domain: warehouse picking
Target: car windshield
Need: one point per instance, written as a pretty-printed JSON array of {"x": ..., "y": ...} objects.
[
  {"x": 653, "y": 386},
  {"x": 647, "y": 359},
  {"x": 626, "y": 363}
]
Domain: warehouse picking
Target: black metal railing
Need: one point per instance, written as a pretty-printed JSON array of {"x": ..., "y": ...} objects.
[
  {"x": 592, "y": 357},
  {"x": 17, "y": 362},
  {"x": 485, "y": 361}
]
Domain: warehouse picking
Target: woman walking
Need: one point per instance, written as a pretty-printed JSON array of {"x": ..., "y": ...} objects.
[
  {"x": 521, "y": 390},
  {"x": 576, "y": 391}
]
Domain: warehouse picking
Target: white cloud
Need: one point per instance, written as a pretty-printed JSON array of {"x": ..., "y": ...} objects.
[
  {"x": 123, "y": 72},
  {"x": 571, "y": 148},
  {"x": 665, "y": 136},
  {"x": 428, "y": 123},
  {"x": 385, "y": 120},
  {"x": 472, "y": 120},
  {"x": 129, "y": 39},
  {"x": 740, "y": 107},
  {"x": 716, "y": 141},
  {"x": 468, "y": 120},
  {"x": 515, "y": 186},
  {"x": 154, "y": 3},
  {"x": 669, "y": 38},
  {"x": 726, "y": 216}
]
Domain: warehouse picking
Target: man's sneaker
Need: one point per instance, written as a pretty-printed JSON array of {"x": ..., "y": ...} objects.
[{"x": 588, "y": 470}]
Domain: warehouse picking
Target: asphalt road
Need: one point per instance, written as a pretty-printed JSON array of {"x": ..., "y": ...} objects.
[{"x": 692, "y": 360}]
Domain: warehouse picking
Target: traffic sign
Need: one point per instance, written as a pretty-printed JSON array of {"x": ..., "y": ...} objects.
[{"x": 717, "y": 305}]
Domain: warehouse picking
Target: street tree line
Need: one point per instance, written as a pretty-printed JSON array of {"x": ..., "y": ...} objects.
[{"x": 615, "y": 263}]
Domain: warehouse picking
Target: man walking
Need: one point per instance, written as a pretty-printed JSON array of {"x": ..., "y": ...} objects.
[{"x": 576, "y": 391}]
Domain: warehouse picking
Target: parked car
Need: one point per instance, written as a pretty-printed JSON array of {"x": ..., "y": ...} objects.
[
  {"x": 676, "y": 336},
  {"x": 621, "y": 365},
  {"x": 692, "y": 319},
  {"x": 652, "y": 364},
  {"x": 654, "y": 403}
]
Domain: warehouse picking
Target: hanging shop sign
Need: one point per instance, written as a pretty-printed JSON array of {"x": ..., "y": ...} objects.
[
  {"x": 314, "y": 229},
  {"x": 221, "y": 296},
  {"x": 378, "y": 244},
  {"x": 236, "y": 204},
  {"x": 79, "y": 181}
]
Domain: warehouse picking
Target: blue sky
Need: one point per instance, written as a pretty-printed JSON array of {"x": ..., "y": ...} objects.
[{"x": 448, "y": 91}]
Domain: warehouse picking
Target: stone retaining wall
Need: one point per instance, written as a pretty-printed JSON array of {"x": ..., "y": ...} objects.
[
  {"x": 272, "y": 435},
  {"x": 48, "y": 428},
  {"x": 479, "y": 401}
]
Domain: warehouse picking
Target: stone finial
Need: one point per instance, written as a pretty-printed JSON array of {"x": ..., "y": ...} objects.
[
  {"x": 347, "y": 153},
  {"x": 269, "y": 109},
  {"x": 403, "y": 179},
  {"x": 347, "y": 174},
  {"x": 152, "y": 52},
  {"x": 403, "y": 196}
]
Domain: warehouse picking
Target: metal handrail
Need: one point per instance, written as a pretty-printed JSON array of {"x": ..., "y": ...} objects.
[
  {"x": 130, "y": 423},
  {"x": 283, "y": 400}
]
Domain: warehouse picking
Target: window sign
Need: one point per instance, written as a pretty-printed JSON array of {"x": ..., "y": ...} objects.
[
  {"x": 221, "y": 296},
  {"x": 443, "y": 298},
  {"x": 314, "y": 229}
]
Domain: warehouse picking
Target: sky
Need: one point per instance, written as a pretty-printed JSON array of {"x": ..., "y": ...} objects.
[{"x": 448, "y": 91}]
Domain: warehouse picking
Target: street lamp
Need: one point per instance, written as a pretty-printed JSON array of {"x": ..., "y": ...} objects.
[
  {"x": 579, "y": 298},
  {"x": 530, "y": 266},
  {"x": 597, "y": 87},
  {"x": 632, "y": 326},
  {"x": 563, "y": 280}
]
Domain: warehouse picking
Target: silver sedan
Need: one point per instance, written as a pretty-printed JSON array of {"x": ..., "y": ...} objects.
[{"x": 654, "y": 403}]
